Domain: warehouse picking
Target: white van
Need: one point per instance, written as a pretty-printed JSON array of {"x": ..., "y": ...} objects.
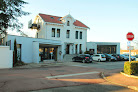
[{"x": 99, "y": 57}]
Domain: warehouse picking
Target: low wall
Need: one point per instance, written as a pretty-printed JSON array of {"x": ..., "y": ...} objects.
[{"x": 6, "y": 57}]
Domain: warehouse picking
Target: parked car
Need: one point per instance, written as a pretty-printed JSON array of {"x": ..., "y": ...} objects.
[
  {"x": 125, "y": 58},
  {"x": 110, "y": 57},
  {"x": 85, "y": 58},
  {"x": 132, "y": 57},
  {"x": 136, "y": 56},
  {"x": 118, "y": 56},
  {"x": 99, "y": 57}
]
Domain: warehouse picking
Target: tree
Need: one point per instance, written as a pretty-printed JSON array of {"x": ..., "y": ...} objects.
[
  {"x": 10, "y": 10},
  {"x": 15, "y": 53}
]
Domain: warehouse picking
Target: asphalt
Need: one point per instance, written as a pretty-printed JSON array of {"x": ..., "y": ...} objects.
[{"x": 64, "y": 76}]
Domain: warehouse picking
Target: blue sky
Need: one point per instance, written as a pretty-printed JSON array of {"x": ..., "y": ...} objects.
[{"x": 109, "y": 20}]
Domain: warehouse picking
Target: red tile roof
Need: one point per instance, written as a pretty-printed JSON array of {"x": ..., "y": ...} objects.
[{"x": 56, "y": 19}]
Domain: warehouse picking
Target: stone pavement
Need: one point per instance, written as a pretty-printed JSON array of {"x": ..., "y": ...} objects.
[{"x": 122, "y": 80}]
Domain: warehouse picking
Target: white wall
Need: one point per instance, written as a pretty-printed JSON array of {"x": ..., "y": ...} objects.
[
  {"x": 6, "y": 57},
  {"x": 93, "y": 45},
  {"x": 30, "y": 47}
]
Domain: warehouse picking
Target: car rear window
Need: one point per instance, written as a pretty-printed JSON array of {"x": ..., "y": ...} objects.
[{"x": 102, "y": 55}]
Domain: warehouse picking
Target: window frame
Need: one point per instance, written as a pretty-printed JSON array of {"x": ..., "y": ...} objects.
[
  {"x": 68, "y": 34},
  {"x": 76, "y": 34},
  {"x": 80, "y": 35},
  {"x": 58, "y": 33},
  {"x": 53, "y": 29},
  {"x": 68, "y": 23}
]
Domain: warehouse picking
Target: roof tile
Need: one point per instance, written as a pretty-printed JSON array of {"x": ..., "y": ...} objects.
[{"x": 56, "y": 19}]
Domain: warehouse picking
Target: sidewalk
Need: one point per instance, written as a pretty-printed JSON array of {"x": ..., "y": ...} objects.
[{"x": 122, "y": 80}]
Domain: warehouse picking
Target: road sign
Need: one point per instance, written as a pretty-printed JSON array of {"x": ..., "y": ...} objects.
[
  {"x": 129, "y": 43},
  {"x": 130, "y": 47},
  {"x": 130, "y": 36}
]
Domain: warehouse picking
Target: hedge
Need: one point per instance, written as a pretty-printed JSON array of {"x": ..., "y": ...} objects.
[{"x": 131, "y": 68}]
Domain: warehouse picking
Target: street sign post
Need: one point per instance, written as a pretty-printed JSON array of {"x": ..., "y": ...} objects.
[{"x": 130, "y": 37}]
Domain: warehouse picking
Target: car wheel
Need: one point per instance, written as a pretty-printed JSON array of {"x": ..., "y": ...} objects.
[
  {"x": 83, "y": 61},
  {"x": 99, "y": 60},
  {"x": 90, "y": 62}
]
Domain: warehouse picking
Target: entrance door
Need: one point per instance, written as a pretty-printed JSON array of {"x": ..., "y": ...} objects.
[
  {"x": 47, "y": 53},
  {"x": 67, "y": 49}
]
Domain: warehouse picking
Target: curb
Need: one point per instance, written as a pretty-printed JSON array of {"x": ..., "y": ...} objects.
[
  {"x": 132, "y": 76},
  {"x": 130, "y": 87}
]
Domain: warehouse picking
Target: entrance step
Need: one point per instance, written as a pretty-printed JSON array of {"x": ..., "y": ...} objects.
[{"x": 49, "y": 61}]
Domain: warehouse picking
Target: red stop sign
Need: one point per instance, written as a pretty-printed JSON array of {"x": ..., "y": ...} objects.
[{"x": 130, "y": 36}]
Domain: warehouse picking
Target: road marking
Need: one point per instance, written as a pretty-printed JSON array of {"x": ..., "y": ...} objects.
[
  {"x": 68, "y": 75},
  {"x": 79, "y": 65}
]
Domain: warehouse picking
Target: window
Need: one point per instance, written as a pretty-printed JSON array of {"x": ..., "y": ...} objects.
[
  {"x": 109, "y": 49},
  {"x": 76, "y": 34},
  {"x": 58, "y": 32},
  {"x": 53, "y": 32},
  {"x": 68, "y": 23},
  {"x": 67, "y": 34},
  {"x": 80, "y": 35},
  {"x": 80, "y": 48},
  {"x": 37, "y": 35}
]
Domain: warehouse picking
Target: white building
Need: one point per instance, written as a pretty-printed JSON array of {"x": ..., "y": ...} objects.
[
  {"x": 55, "y": 37},
  {"x": 103, "y": 47}
]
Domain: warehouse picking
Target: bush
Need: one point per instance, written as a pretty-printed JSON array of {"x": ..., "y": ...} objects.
[
  {"x": 131, "y": 68},
  {"x": 20, "y": 63}
]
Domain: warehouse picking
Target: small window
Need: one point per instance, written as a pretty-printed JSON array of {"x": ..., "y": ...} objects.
[
  {"x": 80, "y": 35},
  {"x": 58, "y": 32},
  {"x": 53, "y": 32},
  {"x": 52, "y": 17},
  {"x": 37, "y": 35},
  {"x": 67, "y": 34},
  {"x": 68, "y": 24},
  {"x": 76, "y": 35}
]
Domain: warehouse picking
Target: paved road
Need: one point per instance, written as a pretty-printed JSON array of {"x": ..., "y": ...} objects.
[
  {"x": 103, "y": 65},
  {"x": 68, "y": 77},
  {"x": 103, "y": 87}
]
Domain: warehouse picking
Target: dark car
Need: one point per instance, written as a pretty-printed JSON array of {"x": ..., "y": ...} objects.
[
  {"x": 118, "y": 56},
  {"x": 125, "y": 58},
  {"x": 86, "y": 58},
  {"x": 136, "y": 56},
  {"x": 110, "y": 57}
]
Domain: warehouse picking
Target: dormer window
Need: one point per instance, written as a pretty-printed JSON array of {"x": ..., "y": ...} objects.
[{"x": 68, "y": 24}]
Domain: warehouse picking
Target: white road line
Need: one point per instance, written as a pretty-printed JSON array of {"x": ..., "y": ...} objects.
[
  {"x": 79, "y": 65},
  {"x": 67, "y": 75}
]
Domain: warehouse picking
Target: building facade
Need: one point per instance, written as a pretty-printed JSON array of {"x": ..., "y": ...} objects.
[
  {"x": 71, "y": 32},
  {"x": 103, "y": 47},
  {"x": 55, "y": 37}
]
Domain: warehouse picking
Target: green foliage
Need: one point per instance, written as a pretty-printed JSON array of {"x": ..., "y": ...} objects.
[
  {"x": 20, "y": 63},
  {"x": 131, "y": 68},
  {"x": 10, "y": 10},
  {"x": 87, "y": 52}
]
